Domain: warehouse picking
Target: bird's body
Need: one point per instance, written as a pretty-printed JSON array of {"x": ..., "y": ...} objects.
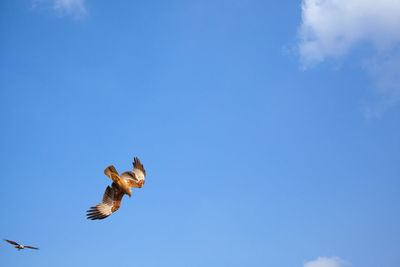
[
  {"x": 122, "y": 184},
  {"x": 19, "y": 246}
]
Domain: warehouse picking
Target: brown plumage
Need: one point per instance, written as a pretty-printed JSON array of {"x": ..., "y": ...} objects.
[
  {"x": 18, "y": 246},
  {"x": 121, "y": 185},
  {"x": 138, "y": 166}
]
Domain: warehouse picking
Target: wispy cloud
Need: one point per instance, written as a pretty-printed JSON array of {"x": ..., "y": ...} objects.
[
  {"x": 326, "y": 262},
  {"x": 332, "y": 28},
  {"x": 74, "y": 8},
  {"x": 385, "y": 69}
]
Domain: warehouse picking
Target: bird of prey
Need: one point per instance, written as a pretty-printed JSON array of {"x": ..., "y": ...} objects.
[
  {"x": 18, "y": 246},
  {"x": 121, "y": 185}
]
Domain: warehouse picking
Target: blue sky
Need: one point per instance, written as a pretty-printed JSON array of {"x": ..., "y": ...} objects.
[{"x": 266, "y": 142}]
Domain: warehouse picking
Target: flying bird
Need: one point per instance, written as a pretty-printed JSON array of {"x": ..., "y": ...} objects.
[
  {"x": 18, "y": 246},
  {"x": 122, "y": 184}
]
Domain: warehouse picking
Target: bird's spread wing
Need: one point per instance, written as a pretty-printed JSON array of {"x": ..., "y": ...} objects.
[
  {"x": 131, "y": 180},
  {"x": 111, "y": 202},
  {"x": 30, "y": 247},
  {"x": 138, "y": 169},
  {"x": 12, "y": 242}
]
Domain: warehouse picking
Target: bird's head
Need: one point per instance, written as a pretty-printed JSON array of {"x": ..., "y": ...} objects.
[{"x": 141, "y": 183}]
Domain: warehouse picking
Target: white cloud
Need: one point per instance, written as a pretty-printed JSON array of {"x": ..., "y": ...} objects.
[
  {"x": 326, "y": 262},
  {"x": 76, "y": 7},
  {"x": 332, "y": 28}
]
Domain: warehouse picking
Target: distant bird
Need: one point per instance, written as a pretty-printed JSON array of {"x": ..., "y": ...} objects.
[
  {"x": 18, "y": 246},
  {"x": 121, "y": 185}
]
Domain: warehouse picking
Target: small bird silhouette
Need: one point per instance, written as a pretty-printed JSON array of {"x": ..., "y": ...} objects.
[{"x": 18, "y": 246}]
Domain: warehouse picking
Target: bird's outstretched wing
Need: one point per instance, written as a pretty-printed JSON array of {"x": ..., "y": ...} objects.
[
  {"x": 30, "y": 247},
  {"x": 12, "y": 242},
  {"x": 131, "y": 180},
  {"x": 138, "y": 169},
  {"x": 111, "y": 202}
]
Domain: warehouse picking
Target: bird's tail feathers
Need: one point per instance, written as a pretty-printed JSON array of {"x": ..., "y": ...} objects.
[{"x": 116, "y": 179}]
